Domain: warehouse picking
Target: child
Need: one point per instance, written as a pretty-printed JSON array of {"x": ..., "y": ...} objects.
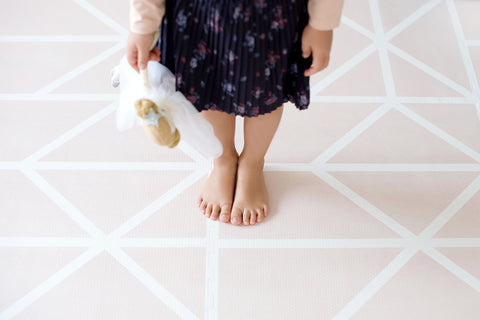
[{"x": 237, "y": 57}]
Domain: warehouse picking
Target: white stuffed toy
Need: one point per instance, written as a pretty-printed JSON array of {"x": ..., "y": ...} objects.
[{"x": 167, "y": 115}]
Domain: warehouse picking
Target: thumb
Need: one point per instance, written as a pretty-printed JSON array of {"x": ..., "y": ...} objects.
[
  {"x": 142, "y": 58},
  {"x": 306, "y": 50}
]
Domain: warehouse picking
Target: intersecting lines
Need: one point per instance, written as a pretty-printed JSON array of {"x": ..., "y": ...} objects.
[{"x": 382, "y": 79}]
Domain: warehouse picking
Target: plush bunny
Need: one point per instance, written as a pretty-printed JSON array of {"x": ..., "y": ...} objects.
[{"x": 166, "y": 115}]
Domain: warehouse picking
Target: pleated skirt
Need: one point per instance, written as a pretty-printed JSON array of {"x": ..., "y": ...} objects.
[{"x": 242, "y": 57}]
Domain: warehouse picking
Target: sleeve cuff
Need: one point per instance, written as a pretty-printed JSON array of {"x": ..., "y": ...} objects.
[
  {"x": 323, "y": 26},
  {"x": 145, "y": 16},
  {"x": 325, "y": 14}
]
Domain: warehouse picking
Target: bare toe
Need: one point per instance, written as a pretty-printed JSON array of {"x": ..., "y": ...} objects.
[
  {"x": 250, "y": 195},
  {"x": 220, "y": 186},
  {"x": 203, "y": 206},
  {"x": 225, "y": 214},
  {"x": 215, "y": 211},
  {"x": 236, "y": 216},
  {"x": 253, "y": 217},
  {"x": 246, "y": 217},
  {"x": 259, "y": 215},
  {"x": 199, "y": 201},
  {"x": 208, "y": 212}
]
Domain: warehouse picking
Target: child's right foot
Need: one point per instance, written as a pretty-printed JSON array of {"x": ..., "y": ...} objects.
[{"x": 216, "y": 198}]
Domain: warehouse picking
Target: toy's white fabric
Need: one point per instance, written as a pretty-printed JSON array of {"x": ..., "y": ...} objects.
[{"x": 194, "y": 129}]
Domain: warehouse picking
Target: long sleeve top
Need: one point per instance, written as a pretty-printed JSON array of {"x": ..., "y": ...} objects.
[{"x": 146, "y": 15}]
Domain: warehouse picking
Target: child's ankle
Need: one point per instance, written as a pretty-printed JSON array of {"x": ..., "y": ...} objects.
[
  {"x": 251, "y": 162},
  {"x": 226, "y": 157}
]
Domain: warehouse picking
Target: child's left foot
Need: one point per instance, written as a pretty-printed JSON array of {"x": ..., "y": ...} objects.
[{"x": 251, "y": 199}]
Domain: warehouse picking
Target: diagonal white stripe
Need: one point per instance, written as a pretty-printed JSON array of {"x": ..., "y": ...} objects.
[
  {"x": 70, "y": 134},
  {"x": 269, "y": 166},
  {"x": 364, "y": 204},
  {"x": 381, "y": 41},
  {"x": 191, "y": 152},
  {"x": 430, "y": 71},
  {"x": 375, "y": 285},
  {"x": 411, "y": 243},
  {"x": 352, "y": 134},
  {"x": 455, "y": 269},
  {"x": 448, "y": 213},
  {"x": 472, "y": 43},
  {"x": 342, "y": 70},
  {"x": 157, "y": 204},
  {"x": 357, "y": 27},
  {"x": 73, "y": 212},
  {"x": 102, "y": 17},
  {"x": 412, "y": 18},
  {"x": 420, "y": 242},
  {"x": 457, "y": 144},
  {"x": 467, "y": 60},
  {"x": 318, "y": 98},
  {"x": 152, "y": 284},
  {"x": 81, "y": 69},
  {"x": 49, "y": 284}
]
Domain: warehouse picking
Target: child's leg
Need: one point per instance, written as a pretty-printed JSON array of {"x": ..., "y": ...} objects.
[
  {"x": 251, "y": 198},
  {"x": 217, "y": 193}
]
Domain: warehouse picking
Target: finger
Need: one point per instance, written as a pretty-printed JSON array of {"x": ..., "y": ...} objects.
[
  {"x": 132, "y": 59},
  {"x": 305, "y": 44},
  {"x": 312, "y": 70},
  {"x": 156, "y": 51},
  {"x": 318, "y": 63},
  {"x": 153, "y": 57},
  {"x": 306, "y": 50},
  {"x": 142, "y": 59}
]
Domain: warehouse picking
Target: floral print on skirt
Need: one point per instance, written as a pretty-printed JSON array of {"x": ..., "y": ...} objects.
[{"x": 242, "y": 57}]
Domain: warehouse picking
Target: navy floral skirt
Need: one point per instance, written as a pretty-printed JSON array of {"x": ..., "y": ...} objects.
[{"x": 242, "y": 57}]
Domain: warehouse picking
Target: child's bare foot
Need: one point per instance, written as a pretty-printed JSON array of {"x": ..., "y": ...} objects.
[
  {"x": 251, "y": 198},
  {"x": 215, "y": 199}
]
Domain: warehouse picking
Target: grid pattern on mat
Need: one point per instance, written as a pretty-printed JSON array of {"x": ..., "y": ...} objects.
[{"x": 379, "y": 27}]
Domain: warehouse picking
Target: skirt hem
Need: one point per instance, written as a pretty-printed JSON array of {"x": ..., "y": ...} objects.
[{"x": 274, "y": 107}]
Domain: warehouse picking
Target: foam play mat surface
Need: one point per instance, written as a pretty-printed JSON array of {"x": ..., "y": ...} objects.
[{"x": 374, "y": 190}]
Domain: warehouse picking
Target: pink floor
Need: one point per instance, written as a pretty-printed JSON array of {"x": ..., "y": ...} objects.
[{"x": 374, "y": 190}]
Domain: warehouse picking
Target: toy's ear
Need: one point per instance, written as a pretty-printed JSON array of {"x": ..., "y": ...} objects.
[{"x": 115, "y": 76}]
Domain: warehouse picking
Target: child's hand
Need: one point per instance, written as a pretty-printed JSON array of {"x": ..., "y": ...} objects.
[
  {"x": 318, "y": 44},
  {"x": 138, "y": 50}
]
